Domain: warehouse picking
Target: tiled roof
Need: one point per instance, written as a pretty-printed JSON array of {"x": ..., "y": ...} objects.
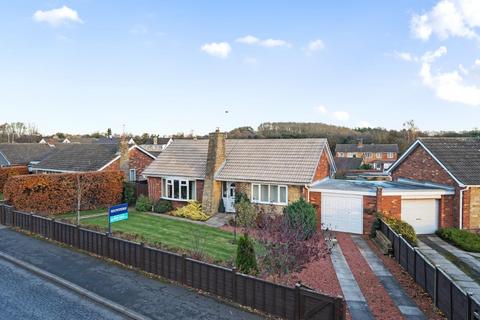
[
  {"x": 345, "y": 164},
  {"x": 366, "y": 148},
  {"x": 461, "y": 156},
  {"x": 79, "y": 157},
  {"x": 291, "y": 161},
  {"x": 24, "y": 153}
]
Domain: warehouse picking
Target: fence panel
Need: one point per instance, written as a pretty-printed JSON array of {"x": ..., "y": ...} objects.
[
  {"x": 474, "y": 309},
  {"x": 444, "y": 293},
  {"x": 459, "y": 303}
]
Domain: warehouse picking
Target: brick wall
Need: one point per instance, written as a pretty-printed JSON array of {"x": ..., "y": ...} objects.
[
  {"x": 447, "y": 213},
  {"x": 369, "y": 213},
  {"x": 154, "y": 188},
  {"x": 316, "y": 201},
  {"x": 474, "y": 208},
  {"x": 323, "y": 167},
  {"x": 136, "y": 160}
]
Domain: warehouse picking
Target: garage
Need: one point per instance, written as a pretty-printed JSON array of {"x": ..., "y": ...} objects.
[
  {"x": 421, "y": 214},
  {"x": 342, "y": 212}
]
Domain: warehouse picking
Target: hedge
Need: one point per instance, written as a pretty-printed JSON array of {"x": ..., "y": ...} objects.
[
  {"x": 403, "y": 228},
  {"x": 58, "y": 193},
  {"x": 463, "y": 239},
  {"x": 7, "y": 172}
]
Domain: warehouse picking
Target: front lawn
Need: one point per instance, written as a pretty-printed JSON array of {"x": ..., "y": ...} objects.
[
  {"x": 173, "y": 234},
  {"x": 463, "y": 239},
  {"x": 73, "y": 214}
]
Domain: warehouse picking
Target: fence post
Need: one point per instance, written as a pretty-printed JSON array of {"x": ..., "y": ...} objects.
[
  {"x": 141, "y": 265},
  {"x": 234, "y": 284},
  {"x": 415, "y": 265},
  {"x": 435, "y": 286},
  {"x": 184, "y": 268},
  {"x": 399, "y": 247},
  {"x": 297, "y": 315},
  {"x": 107, "y": 244},
  {"x": 52, "y": 229},
  {"x": 469, "y": 306},
  {"x": 77, "y": 236},
  {"x": 30, "y": 223}
]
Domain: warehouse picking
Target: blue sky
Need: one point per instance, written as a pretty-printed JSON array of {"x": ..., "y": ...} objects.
[{"x": 176, "y": 66}]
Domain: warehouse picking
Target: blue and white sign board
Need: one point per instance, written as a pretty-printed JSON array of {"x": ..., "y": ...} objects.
[{"x": 118, "y": 213}]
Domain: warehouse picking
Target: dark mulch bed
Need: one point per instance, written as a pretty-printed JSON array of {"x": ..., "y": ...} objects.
[
  {"x": 421, "y": 298},
  {"x": 379, "y": 302}
]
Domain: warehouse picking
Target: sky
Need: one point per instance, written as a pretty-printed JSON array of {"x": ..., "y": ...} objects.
[{"x": 176, "y": 66}]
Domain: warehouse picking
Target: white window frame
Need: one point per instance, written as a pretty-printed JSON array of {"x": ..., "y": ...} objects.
[
  {"x": 168, "y": 182},
  {"x": 341, "y": 154},
  {"x": 368, "y": 154},
  {"x": 279, "y": 187},
  {"x": 378, "y": 155},
  {"x": 350, "y": 155},
  {"x": 390, "y": 155},
  {"x": 134, "y": 171}
]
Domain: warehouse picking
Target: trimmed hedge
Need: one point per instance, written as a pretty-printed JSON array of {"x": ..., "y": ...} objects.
[
  {"x": 163, "y": 206},
  {"x": 302, "y": 215},
  {"x": 7, "y": 172},
  {"x": 403, "y": 228},
  {"x": 144, "y": 204},
  {"x": 57, "y": 193},
  {"x": 463, "y": 239}
]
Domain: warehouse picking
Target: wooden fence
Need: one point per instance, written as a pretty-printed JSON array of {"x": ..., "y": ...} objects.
[
  {"x": 454, "y": 302},
  {"x": 278, "y": 300}
]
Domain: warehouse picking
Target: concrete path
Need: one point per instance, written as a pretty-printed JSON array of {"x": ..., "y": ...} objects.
[
  {"x": 149, "y": 297},
  {"x": 351, "y": 291},
  {"x": 406, "y": 306},
  {"x": 459, "y": 276}
]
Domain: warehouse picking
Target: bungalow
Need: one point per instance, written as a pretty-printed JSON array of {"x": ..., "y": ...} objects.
[
  {"x": 271, "y": 172},
  {"x": 12, "y": 154},
  {"x": 452, "y": 162},
  {"x": 97, "y": 157}
]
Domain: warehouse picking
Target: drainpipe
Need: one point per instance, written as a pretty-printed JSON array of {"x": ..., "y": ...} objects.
[
  {"x": 308, "y": 193},
  {"x": 460, "y": 209}
]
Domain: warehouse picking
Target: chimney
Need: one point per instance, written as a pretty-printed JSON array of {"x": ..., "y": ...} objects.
[
  {"x": 155, "y": 140},
  {"x": 360, "y": 143},
  {"x": 124, "y": 162},
  {"x": 212, "y": 190}
]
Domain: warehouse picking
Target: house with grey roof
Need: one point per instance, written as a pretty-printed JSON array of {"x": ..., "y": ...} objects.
[
  {"x": 271, "y": 172},
  {"x": 379, "y": 156},
  {"x": 453, "y": 162},
  {"x": 74, "y": 157},
  {"x": 12, "y": 154}
]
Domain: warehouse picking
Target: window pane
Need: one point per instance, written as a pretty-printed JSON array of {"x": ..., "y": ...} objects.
[
  {"x": 283, "y": 195},
  {"x": 191, "y": 190},
  {"x": 170, "y": 189},
  {"x": 224, "y": 189},
  {"x": 264, "y": 193},
  {"x": 274, "y": 194},
  {"x": 255, "y": 193},
  {"x": 176, "y": 189},
  {"x": 183, "y": 192},
  {"x": 164, "y": 188}
]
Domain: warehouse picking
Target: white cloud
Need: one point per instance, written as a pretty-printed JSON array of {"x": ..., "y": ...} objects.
[
  {"x": 448, "y": 18},
  {"x": 269, "y": 43},
  {"x": 406, "y": 56},
  {"x": 217, "y": 49},
  {"x": 321, "y": 109},
  {"x": 341, "y": 115},
  {"x": 57, "y": 17},
  {"x": 313, "y": 46},
  {"x": 448, "y": 86},
  {"x": 248, "y": 40},
  {"x": 477, "y": 63}
]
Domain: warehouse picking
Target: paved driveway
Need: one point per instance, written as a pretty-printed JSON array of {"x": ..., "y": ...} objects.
[{"x": 151, "y": 298}]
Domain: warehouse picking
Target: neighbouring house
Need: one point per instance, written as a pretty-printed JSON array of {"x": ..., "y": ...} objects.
[
  {"x": 346, "y": 165},
  {"x": 157, "y": 145},
  {"x": 379, "y": 156},
  {"x": 271, "y": 172},
  {"x": 13, "y": 154},
  {"x": 452, "y": 162},
  {"x": 132, "y": 160}
]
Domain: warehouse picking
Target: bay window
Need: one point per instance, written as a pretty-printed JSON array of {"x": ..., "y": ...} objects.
[
  {"x": 178, "y": 189},
  {"x": 269, "y": 193}
]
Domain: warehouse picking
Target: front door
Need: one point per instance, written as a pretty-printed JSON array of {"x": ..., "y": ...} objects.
[{"x": 229, "y": 196}]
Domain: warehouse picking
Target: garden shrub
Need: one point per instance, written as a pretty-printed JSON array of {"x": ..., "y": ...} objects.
[
  {"x": 163, "y": 206},
  {"x": 58, "y": 193},
  {"x": 302, "y": 215},
  {"x": 7, "y": 172},
  {"x": 193, "y": 211},
  {"x": 376, "y": 225},
  {"x": 463, "y": 239},
  {"x": 144, "y": 204},
  {"x": 246, "y": 214},
  {"x": 246, "y": 261},
  {"x": 403, "y": 228},
  {"x": 241, "y": 196},
  {"x": 129, "y": 193}
]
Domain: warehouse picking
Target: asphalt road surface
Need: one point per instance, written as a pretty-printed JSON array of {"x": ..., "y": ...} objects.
[{"x": 24, "y": 295}]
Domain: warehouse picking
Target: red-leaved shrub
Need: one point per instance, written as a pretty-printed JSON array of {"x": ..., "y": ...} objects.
[
  {"x": 58, "y": 193},
  {"x": 7, "y": 172}
]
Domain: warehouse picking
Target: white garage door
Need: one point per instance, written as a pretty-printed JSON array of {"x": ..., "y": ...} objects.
[
  {"x": 421, "y": 214},
  {"x": 342, "y": 212}
]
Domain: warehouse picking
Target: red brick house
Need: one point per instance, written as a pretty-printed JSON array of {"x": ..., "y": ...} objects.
[
  {"x": 97, "y": 157},
  {"x": 453, "y": 162},
  {"x": 380, "y": 156},
  {"x": 272, "y": 172}
]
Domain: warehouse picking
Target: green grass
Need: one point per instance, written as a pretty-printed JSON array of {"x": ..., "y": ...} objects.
[
  {"x": 463, "y": 239},
  {"x": 173, "y": 234},
  {"x": 73, "y": 214},
  {"x": 1, "y": 196}
]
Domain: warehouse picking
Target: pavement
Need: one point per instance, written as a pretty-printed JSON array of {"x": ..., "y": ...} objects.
[
  {"x": 25, "y": 295},
  {"x": 148, "y": 297},
  {"x": 405, "y": 304},
  {"x": 450, "y": 266},
  {"x": 356, "y": 302}
]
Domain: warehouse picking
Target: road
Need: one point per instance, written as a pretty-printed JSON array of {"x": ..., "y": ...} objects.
[
  {"x": 151, "y": 298},
  {"x": 24, "y": 295}
]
